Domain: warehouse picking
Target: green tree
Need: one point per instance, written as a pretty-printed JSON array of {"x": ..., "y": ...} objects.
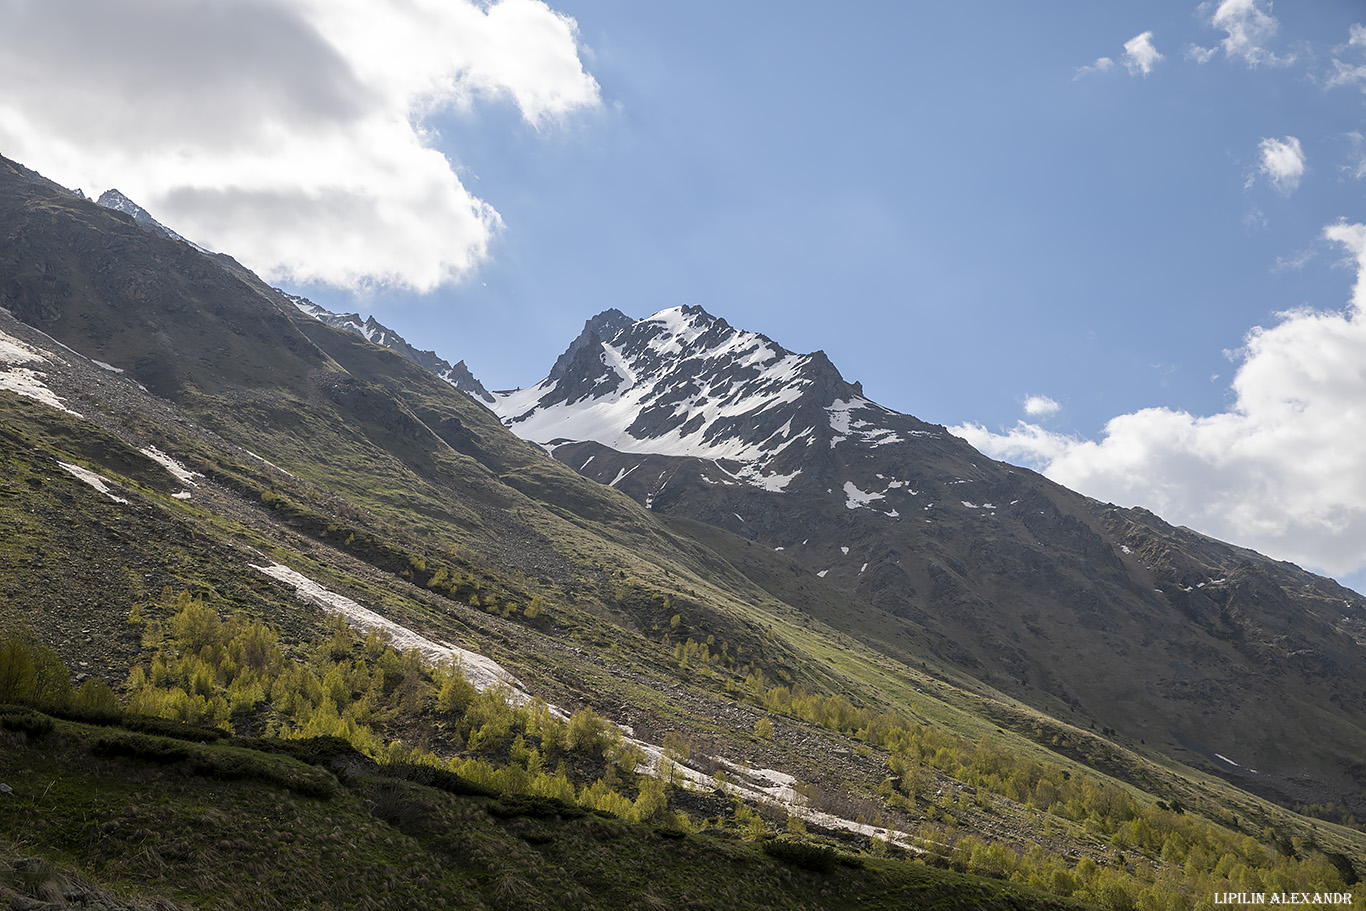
[{"x": 32, "y": 674}]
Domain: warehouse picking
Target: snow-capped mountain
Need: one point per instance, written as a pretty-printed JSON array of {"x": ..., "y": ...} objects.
[
  {"x": 458, "y": 375},
  {"x": 113, "y": 199},
  {"x": 772, "y": 454},
  {"x": 685, "y": 383}
]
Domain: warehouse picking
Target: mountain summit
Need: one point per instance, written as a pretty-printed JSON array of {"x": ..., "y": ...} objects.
[
  {"x": 113, "y": 199},
  {"x": 603, "y": 326},
  {"x": 686, "y": 383}
]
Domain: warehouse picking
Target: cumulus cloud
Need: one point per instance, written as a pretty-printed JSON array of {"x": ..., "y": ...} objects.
[
  {"x": 1200, "y": 54},
  {"x": 1041, "y": 406},
  {"x": 1282, "y": 163},
  {"x": 289, "y": 133},
  {"x": 1279, "y": 471},
  {"x": 1140, "y": 55},
  {"x": 1249, "y": 26}
]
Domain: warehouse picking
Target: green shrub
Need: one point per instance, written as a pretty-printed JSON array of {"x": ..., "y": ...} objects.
[
  {"x": 162, "y": 727},
  {"x": 140, "y": 746},
  {"x": 801, "y": 854},
  {"x": 93, "y": 703},
  {"x": 32, "y": 674},
  {"x": 25, "y": 721},
  {"x": 320, "y": 751},
  {"x": 435, "y": 777},
  {"x": 511, "y": 805}
]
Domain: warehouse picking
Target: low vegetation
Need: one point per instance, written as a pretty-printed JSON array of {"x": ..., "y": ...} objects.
[
  {"x": 222, "y": 700},
  {"x": 295, "y": 821}
]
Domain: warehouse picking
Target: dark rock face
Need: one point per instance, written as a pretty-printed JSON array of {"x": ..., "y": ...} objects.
[{"x": 604, "y": 326}]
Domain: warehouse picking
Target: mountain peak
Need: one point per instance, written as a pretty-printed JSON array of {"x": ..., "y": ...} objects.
[
  {"x": 115, "y": 200},
  {"x": 596, "y": 329},
  {"x": 683, "y": 382}
]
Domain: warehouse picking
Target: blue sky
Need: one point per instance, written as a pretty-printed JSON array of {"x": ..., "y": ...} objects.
[{"x": 966, "y": 206}]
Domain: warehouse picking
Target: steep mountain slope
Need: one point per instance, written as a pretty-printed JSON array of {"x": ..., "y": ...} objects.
[
  {"x": 1106, "y": 615},
  {"x": 173, "y": 430}
]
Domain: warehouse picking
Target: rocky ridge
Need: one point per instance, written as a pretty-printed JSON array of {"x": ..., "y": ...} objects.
[
  {"x": 371, "y": 329},
  {"x": 113, "y": 199}
]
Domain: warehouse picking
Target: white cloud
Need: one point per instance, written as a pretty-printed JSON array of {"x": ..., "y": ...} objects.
[
  {"x": 1356, "y": 164},
  {"x": 1282, "y": 163},
  {"x": 1200, "y": 54},
  {"x": 1293, "y": 263},
  {"x": 1249, "y": 25},
  {"x": 286, "y": 132},
  {"x": 1041, "y": 406},
  {"x": 1353, "y": 238},
  {"x": 1279, "y": 471},
  {"x": 1350, "y": 73},
  {"x": 1101, "y": 65},
  {"x": 1140, "y": 55}
]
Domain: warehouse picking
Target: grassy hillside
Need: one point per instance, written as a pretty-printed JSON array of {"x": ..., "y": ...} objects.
[
  {"x": 242, "y": 434},
  {"x": 146, "y": 827}
]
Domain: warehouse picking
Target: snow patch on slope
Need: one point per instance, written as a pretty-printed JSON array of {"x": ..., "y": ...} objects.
[
  {"x": 180, "y": 472},
  {"x": 22, "y": 380},
  {"x": 13, "y": 351},
  {"x": 855, "y": 498},
  {"x": 94, "y": 480},
  {"x": 29, "y": 383},
  {"x": 481, "y": 671},
  {"x": 845, "y": 426}
]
